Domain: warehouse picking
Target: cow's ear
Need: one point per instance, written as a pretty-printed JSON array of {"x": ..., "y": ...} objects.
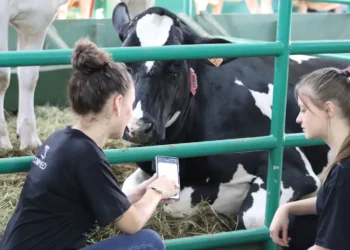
[
  {"x": 121, "y": 19},
  {"x": 190, "y": 38}
]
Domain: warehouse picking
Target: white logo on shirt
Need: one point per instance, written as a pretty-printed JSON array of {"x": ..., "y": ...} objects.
[
  {"x": 45, "y": 152},
  {"x": 39, "y": 162}
]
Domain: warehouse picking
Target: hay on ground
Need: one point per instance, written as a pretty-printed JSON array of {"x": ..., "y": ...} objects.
[{"x": 50, "y": 119}]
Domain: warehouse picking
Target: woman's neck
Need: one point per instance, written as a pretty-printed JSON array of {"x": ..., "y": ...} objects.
[
  {"x": 94, "y": 128},
  {"x": 337, "y": 134}
]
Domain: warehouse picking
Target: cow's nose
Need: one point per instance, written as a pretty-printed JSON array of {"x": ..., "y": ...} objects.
[{"x": 147, "y": 127}]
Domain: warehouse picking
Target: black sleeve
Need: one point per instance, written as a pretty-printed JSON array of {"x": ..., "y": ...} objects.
[
  {"x": 334, "y": 221},
  {"x": 102, "y": 191}
]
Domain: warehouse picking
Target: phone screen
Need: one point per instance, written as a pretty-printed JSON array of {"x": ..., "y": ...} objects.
[{"x": 169, "y": 167}]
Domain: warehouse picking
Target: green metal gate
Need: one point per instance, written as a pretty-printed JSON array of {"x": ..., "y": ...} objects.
[{"x": 275, "y": 142}]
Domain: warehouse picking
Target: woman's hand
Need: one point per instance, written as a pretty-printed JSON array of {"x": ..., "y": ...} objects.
[
  {"x": 279, "y": 225},
  {"x": 141, "y": 189},
  {"x": 136, "y": 194},
  {"x": 141, "y": 211},
  {"x": 166, "y": 186}
]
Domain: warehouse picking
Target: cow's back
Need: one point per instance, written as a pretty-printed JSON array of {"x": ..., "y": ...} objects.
[{"x": 235, "y": 101}]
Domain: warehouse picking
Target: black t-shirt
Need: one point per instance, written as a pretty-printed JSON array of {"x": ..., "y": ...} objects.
[
  {"x": 333, "y": 206},
  {"x": 69, "y": 189}
]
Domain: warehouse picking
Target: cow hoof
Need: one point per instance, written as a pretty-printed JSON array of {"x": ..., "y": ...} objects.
[
  {"x": 30, "y": 142},
  {"x": 5, "y": 142},
  {"x": 28, "y": 135},
  {"x": 174, "y": 212}
]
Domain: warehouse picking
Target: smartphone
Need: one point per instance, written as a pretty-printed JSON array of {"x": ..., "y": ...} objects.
[{"x": 168, "y": 166}]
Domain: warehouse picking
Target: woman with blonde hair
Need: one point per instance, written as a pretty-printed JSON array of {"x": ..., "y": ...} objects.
[{"x": 322, "y": 222}]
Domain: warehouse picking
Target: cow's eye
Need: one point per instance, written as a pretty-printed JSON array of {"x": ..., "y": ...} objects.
[{"x": 176, "y": 65}]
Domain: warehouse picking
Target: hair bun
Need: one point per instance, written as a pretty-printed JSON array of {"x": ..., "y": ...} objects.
[{"x": 87, "y": 57}]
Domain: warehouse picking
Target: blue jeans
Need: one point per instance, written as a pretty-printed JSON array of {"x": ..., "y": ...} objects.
[{"x": 144, "y": 239}]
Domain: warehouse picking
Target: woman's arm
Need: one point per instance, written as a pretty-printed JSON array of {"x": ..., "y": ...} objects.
[
  {"x": 302, "y": 207},
  {"x": 139, "y": 213}
]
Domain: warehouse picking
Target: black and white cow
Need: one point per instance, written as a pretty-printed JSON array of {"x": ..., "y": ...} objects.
[{"x": 180, "y": 101}]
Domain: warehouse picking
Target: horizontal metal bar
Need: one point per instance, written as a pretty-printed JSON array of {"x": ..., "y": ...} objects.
[
  {"x": 299, "y": 140},
  {"x": 219, "y": 240},
  {"x": 128, "y": 54},
  {"x": 182, "y": 150},
  {"x": 317, "y": 47}
]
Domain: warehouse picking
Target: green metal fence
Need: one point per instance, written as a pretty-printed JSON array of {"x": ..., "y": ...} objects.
[{"x": 275, "y": 142}]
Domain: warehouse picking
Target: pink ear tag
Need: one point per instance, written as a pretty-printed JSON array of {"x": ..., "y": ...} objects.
[{"x": 194, "y": 84}]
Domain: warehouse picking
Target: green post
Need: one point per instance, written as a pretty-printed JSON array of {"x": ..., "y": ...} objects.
[
  {"x": 188, "y": 7},
  {"x": 278, "y": 114}
]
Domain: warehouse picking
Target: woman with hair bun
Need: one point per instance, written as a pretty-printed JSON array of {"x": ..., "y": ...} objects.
[{"x": 70, "y": 188}]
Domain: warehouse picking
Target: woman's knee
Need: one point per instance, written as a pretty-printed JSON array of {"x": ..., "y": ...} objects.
[{"x": 151, "y": 239}]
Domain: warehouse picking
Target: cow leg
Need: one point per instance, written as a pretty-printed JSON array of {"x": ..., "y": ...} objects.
[
  {"x": 252, "y": 212},
  {"x": 28, "y": 77},
  {"x": 224, "y": 198},
  {"x": 5, "y": 74},
  {"x": 253, "y": 6},
  {"x": 85, "y": 6},
  {"x": 135, "y": 179},
  {"x": 200, "y": 5},
  {"x": 266, "y": 7}
]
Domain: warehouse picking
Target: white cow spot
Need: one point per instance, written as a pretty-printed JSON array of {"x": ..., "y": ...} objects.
[
  {"x": 262, "y": 100},
  {"x": 239, "y": 82},
  {"x": 153, "y": 30},
  {"x": 183, "y": 207},
  {"x": 135, "y": 179},
  {"x": 173, "y": 119},
  {"x": 232, "y": 194},
  {"x": 300, "y": 58},
  {"x": 149, "y": 65},
  {"x": 136, "y": 116},
  {"x": 254, "y": 217},
  {"x": 309, "y": 168},
  {"x": 287, "y": 194}
]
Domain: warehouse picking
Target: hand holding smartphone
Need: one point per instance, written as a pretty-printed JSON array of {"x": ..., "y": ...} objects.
[{"x": 168, "y": 166}]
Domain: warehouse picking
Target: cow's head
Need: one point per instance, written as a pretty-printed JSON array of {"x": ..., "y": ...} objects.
[{"x": 162, "y": 88}]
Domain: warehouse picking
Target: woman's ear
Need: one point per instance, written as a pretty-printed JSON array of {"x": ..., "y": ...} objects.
[
  {"x": 117, "y": 103},
  {"x": 330, "y": 109}
]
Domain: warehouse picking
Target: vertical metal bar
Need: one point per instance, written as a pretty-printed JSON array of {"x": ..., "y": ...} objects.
[
  {"x": 188, "y": 7},
  {"x": 281, "y": 70}
]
